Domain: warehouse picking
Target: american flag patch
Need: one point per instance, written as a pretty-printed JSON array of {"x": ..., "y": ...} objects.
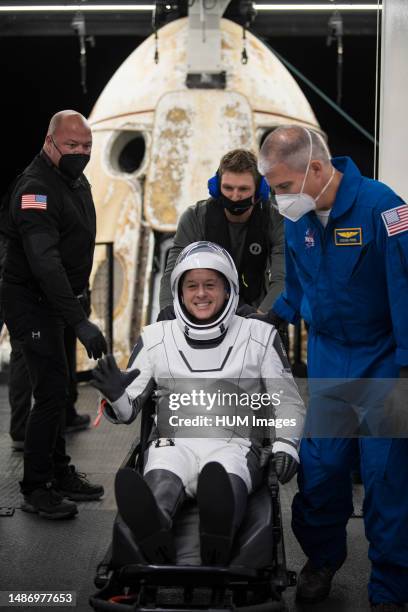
[
  {"x": 396, "y": 219},
  {"x": 38, "y": 202}
]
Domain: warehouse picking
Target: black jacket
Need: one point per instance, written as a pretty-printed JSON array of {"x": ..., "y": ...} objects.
[
  {"x": 193, "y": 226},
  {"x": 51, "y": 235}
]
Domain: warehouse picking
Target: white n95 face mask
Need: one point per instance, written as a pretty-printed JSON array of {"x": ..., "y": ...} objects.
[{"x": 294, "y": 205}]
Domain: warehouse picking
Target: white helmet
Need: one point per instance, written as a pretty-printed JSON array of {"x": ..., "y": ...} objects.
[{"x": 205, "y": 255}]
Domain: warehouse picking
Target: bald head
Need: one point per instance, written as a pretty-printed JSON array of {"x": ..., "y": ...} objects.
[
  {"x": 67, "y": 119},
  {"x": 68, "y": 133},
  {"x": 290, "y": 145}
]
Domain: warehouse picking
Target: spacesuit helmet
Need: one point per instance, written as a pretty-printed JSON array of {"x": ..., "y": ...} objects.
[{"x": 211, "y": 256}]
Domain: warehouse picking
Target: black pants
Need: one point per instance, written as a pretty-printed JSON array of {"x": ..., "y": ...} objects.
[
  {"x": 19, "y": 392},
  {"x": 20, "y": 386},
  {"x": 70, "y": 342},
  {"x": 38, "y": 331}
]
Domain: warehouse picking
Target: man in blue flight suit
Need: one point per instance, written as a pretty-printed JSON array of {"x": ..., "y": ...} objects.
[{"x": 347, "y": 276}]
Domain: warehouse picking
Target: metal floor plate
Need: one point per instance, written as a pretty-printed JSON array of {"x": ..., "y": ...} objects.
[{"x": 96, "y": 451}]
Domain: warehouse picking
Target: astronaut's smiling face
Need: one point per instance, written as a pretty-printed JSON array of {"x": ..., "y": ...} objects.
[{"x": 203, "y": 293}]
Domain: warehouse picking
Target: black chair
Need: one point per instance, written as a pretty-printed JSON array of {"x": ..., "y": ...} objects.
[{"x": 252, "y": 582}]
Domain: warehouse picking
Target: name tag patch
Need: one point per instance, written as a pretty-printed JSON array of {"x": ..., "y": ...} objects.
[{"x": 348, "y": 236}]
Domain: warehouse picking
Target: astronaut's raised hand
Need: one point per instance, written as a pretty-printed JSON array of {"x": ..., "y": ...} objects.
[
  {"x": 110, "y": 380},
  {"x": 92, "y": 338}
]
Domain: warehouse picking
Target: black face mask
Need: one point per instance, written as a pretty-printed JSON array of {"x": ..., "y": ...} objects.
[
  {"x": 72, "y": 164},
  {"x": 236, "y": 208}
]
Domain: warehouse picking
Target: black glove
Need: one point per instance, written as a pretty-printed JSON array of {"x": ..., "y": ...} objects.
[
  {"x": 269, "y": 317},
  {"x": 92, "y": 338},
  {"x": 111, "y": 381},
  {"x": 281, "y": 325},
  {"x": 281, "y": 464},
  {"x": 285, "y": 465},
  {"x": 245, "y": 310},
  {"x": 166, "y": 314},
  {"x": 403, "y": 372}
]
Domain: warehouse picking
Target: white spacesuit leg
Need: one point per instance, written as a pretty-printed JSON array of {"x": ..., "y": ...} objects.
[{"x": 177, "y": 457}]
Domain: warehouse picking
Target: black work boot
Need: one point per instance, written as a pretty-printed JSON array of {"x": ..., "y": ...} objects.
[
  {"x": 313, "y": 585},
  {"x": 78, "y": 423},
  {"x": 148, "y": 504},
  {"x": 386, "y": 607},
  {"x": 76, "y": 486},
  {"x": 48, "y": 503},
  {"x": 222, "y": 500}
]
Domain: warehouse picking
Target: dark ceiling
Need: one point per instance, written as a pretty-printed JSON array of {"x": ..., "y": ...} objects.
[
  {"x": 265, "y": 24},
  {"x": 40, "y": 68}
]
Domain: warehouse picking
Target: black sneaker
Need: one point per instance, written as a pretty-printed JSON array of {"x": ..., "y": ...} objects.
[
  {"x": 78, "y": 423},
  {"x": 387, "y": 607},
  {"x": 76, "y": 486},
  {"x": 48, "y": 503},
  {"x": 313, "y": 585}
]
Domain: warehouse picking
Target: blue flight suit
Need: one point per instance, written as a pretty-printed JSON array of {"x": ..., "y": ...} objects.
[{"x": 349, "y": 281}]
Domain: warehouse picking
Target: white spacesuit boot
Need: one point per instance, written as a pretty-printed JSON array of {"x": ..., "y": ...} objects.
[
  {"x": 222, "y": 500},
  {"x": 148, "y": 505}
]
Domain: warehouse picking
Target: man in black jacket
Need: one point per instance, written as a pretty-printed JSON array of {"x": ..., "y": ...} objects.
[
  {"x": 239, "y": 217},
  {"x": 51, "y": 226}
]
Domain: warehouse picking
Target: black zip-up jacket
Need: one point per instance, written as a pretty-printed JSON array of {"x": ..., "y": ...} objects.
[
  {"x": 192, "y": 226},
  {"x": 51, "y": 235}
]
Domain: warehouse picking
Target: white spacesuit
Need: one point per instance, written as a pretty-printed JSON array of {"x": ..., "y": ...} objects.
[{"x": 218, "y": 381}]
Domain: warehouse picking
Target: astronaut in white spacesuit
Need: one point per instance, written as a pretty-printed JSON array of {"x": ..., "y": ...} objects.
[{"x": 195, "y": 451}]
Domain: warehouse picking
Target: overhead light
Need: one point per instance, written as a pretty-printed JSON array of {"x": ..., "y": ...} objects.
[
  {"x": 317, "y": 7},
  {"x": 134, "y": 8},
  {"x": 74, "y": 8}
]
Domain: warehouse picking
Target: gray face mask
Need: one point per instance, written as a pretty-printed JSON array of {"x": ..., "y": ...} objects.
[{"x": 294, "y": 206}]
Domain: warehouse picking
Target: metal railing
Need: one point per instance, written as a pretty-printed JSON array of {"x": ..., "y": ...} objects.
[{"x": 102, "y": 299}]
